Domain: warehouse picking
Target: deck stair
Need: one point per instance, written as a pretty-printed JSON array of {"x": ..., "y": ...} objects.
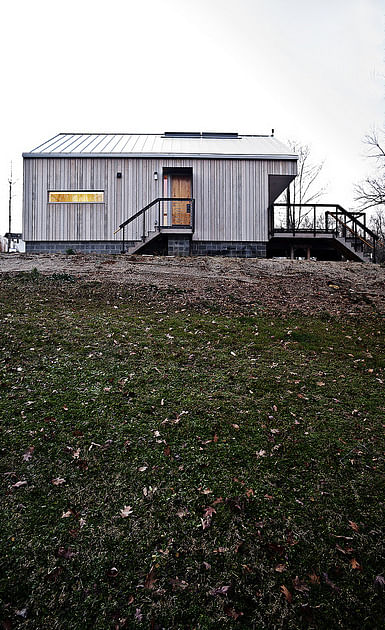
[{"x": 311, "y": 225}]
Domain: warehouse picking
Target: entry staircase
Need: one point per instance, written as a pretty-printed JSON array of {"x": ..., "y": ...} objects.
[
  {"x": 157, "y": 219},
  {"x": 311, "y": 225}
]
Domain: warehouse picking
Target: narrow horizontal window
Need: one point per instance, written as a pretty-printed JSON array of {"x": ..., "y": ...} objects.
[{"x": 79, "y": 196}]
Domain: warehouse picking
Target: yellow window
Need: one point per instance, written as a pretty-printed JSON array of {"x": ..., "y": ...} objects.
[{"x": 79, "y": 196}]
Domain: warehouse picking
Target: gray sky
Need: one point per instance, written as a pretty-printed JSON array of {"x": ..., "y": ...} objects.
[{"x": 313, "y": 71}]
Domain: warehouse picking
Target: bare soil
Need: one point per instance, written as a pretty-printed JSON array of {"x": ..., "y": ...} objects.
[{"x": 277, "y": 285}]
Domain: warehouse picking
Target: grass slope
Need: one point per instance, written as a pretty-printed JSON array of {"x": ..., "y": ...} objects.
[{"x": 248, "y": 447}]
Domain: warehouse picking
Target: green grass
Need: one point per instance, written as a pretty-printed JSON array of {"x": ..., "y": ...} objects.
[{"x": 137, "y": 399}]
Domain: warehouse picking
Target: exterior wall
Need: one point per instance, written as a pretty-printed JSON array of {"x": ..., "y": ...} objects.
[
  {"x": 231, "y": 197},
  {"x": 176, "y": 246},
  {"x": 179, "y": 246},
  {"x": 234, "y": 249},
  {"x": 82, "y": 247}
]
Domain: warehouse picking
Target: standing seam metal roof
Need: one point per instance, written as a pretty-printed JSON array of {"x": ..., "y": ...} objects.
[{"x": 155, "y": 145}]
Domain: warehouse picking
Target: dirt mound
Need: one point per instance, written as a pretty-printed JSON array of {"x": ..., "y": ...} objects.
[{"x": 279, "y": 285}]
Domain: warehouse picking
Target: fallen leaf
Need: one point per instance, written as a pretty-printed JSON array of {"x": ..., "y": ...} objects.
[
  {"x": 235, "y": 426},
  {"x": 314, "y": 578},
  {"x": 58, "y": 481},
  {"x": 320, "y": 383},
  {"x": 355, "y": 565},
  {"x": 287, "y": 594},
  {"x": 182, "y": 512},
  {"x": 344, "y": 551},
  {"x": 21, "y": 613},
  {"x": 215, "y": 438},
  {"x": 221, "y": 590},
  {"x": 299, "y": 585},
  {"x": 18, "y": 484},
  {"x": 167, "y": 451},
  {"x": 28, "y": 453},
  {"x": 142, "y": 468},
  {"x": 138, "y": 614},
  {"x": 206, "y": 522},
  {"x": 127, "y": 510},
  {"x": 379, "y": 582},
  {"x": 67, "y": 514},
  {"x": 150, "y": 580},
  {"x": 206, "y": 565},
  {"x": 354, "y": 526},
  {"x": 280, "y": 568},
  {"x": 261, "y": 453},
  {"x": 150, "y": 491}
]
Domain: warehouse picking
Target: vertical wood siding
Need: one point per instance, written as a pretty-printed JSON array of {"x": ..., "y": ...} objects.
[{"x": 231, "y": 196}]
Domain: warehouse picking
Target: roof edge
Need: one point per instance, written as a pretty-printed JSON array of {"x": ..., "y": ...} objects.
[{"x": 201, "y": 156}]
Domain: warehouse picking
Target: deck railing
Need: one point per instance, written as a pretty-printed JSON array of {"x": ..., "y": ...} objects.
[{"x": 328, "y": 219}]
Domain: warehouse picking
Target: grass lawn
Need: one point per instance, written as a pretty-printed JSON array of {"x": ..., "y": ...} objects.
[{"x": 175, "y": 466}]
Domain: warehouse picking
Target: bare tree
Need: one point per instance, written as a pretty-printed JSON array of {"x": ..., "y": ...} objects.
[
  {"x": 377, "y": 224},
  {"x": 305, "y": 188},
  {"x": 371, "y": 192}
]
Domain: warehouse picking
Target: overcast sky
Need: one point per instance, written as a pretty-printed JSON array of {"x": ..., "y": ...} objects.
[{"x": 313, "y": 71}]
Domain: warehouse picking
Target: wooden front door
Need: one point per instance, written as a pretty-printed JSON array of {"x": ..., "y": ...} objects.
[{"x": 181, "y": 186}]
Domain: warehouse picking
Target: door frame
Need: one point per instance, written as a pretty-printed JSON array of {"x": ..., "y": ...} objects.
[{"x": 174, "y": 170}]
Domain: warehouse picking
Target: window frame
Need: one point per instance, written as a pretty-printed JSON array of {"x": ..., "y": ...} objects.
[{"x": 74, "y": 192}]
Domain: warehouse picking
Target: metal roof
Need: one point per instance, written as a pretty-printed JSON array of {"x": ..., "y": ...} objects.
[{"x": 177, "y": 144}]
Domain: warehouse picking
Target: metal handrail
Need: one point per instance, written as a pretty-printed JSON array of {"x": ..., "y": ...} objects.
[
  {"x": 157, "y": 200},
  {"x": 158, "y": 224},
  {"x": 347, "y": 227}
]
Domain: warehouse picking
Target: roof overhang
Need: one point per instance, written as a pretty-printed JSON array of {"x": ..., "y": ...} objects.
[{"x": 197, "y": 156}]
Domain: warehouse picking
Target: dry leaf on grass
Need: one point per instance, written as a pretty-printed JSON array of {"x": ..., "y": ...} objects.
[
  {"x": 280, "y": 568},
  {"x": 150, "y": 580},
  {"x": 19, "y": 484},
  {"x": 355, "y": 565},
  {"x": 287, "y": 594},
  {"x": 127, "y": 510},
  {"x": 58, "y": 481},
  {"x": 28, "y": 453}
]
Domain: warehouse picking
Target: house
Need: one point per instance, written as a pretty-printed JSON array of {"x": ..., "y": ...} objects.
[
  {"x": 174, "y": 193},
  {"x": 178, "y": 193}
]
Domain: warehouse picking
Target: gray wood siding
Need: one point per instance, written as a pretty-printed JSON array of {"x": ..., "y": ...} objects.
[{"x": 231, "y": 196}]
